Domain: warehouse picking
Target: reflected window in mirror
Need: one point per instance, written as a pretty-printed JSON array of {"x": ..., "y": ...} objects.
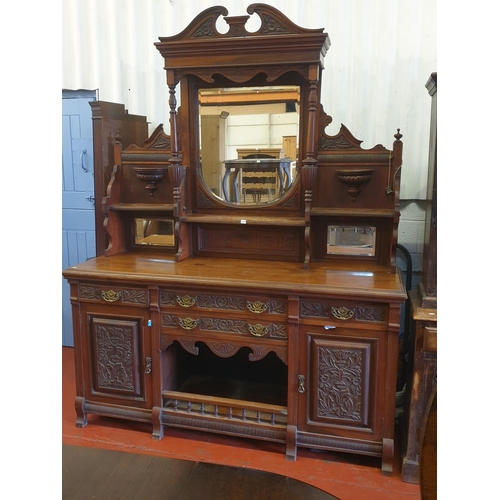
[
  {"x": 152, "y": 231},
  {"x": 351, "y": 240},
  {"x": 249, "y": 141}
]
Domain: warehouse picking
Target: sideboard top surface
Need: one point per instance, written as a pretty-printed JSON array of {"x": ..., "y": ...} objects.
[{"x": 282, "y": 277}]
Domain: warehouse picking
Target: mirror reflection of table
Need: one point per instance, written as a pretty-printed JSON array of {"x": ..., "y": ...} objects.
[{"x": 281, "y": 166}]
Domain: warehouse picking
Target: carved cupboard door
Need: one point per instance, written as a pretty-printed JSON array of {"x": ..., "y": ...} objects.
[
  {"x": 339, "y": 391},
  {"x": 117, "y": 355}
]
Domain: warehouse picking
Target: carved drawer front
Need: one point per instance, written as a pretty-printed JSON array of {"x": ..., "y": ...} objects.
[
  {"x": 230, "y": 325},
  {"x": 114, "y": 294},
  {"x": 218, "y": 301},
  {"x": 342, "y": 311}
]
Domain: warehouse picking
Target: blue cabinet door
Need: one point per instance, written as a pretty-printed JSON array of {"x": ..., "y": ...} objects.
[{"x": 78, "y": 217}]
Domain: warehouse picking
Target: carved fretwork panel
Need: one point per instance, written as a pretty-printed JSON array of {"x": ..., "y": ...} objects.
[
  {"x": 115, "y": 356},
  {"x": 340, "y": 393}
]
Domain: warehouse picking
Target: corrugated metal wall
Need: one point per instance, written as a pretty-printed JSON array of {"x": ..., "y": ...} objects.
[{"x": 382, "y": 53}]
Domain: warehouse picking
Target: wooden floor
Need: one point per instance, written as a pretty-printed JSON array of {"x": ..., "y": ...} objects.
[
  {"x": 90, "y": 473},
  {"x": 342, "y": 475}
]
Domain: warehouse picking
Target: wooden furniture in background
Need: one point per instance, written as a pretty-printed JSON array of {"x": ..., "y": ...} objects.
[
  {"x": 256, "y": 323},
  {"x": 269, "y": 152},
  {"x": 107, "y": 119},
  {"x": 422, "y": 366},
  {"x": 428, "y": 451}
]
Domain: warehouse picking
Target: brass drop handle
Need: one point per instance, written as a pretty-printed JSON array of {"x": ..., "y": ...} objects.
[
  {"x": 111, "y": 296},
  {"x": 257, "y": 307},
  {"x": 258, "y": 330},
  {"x": 302, "y": 382},
  {"x": 188, "y": 323},
  {"x": 186, "y": 301},
  {"x": 147, "y": 370},
  {"x": 342, "y": 313}
]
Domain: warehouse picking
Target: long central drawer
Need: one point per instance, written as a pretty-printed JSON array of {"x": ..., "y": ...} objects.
[{"x": 251, "y": 305}]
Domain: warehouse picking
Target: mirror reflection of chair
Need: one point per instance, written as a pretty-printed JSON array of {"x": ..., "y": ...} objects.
[{"x": 258, "y": 179}]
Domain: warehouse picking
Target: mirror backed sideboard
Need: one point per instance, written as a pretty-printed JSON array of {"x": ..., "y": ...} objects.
[{"x": 248, "y": 284}]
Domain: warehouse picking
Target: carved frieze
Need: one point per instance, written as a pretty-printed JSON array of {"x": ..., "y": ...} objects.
[
  {"x": 167, "y": 298},
  {"x": 168, "y": 321},
  {"x": 221, "y": 302},
  {"x": 278, "y": 331},
  {"x": 277, "y": 306},
  {"x": 134, "y": 296},
  {"x": 223, "y": 325},
  {"x": 366, "y": 313},
  {"x": 89, "y": 292},
  {"x": 313, "y": 309}
]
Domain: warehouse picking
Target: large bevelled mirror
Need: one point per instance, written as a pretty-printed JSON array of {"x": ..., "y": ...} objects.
[{"x": 249, "y": 141}]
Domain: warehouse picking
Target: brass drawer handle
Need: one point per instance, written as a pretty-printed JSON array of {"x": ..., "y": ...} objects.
[
  {"x": 111, "y": 296},
  {"x": 257, "y": 307},
  {"x": 186, "y": 301},
  {"x": 342, "y": 313},
  {"x": 188, "y": 323},
  {"x": 258, "y": 330}
]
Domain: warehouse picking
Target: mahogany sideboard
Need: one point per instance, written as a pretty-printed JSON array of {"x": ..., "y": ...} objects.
[{"x": 274, "y": 318}]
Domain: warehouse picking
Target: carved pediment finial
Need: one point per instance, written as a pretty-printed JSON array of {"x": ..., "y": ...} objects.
[{"x": 273, "y": 22}]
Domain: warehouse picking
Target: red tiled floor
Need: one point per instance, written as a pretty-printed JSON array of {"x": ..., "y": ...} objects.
[{"x": 349, "y": 477}]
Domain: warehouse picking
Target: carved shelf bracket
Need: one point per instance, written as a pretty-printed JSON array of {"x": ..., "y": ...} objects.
[
  {"x": 354, "y": 179},
  {"x": 151, "y": 176}
]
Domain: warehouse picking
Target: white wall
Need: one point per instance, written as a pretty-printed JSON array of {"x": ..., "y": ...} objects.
[{"x": 381, "y": 55}]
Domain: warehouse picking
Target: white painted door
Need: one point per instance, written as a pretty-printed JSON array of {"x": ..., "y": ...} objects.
[{"x": 78, "y": 217}]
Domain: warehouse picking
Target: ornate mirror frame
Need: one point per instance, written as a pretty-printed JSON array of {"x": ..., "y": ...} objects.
[{"x": 279, "y": 52}]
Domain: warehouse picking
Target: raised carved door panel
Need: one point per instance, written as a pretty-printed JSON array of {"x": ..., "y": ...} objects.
[
  {"x": 339, "y": 390},
  {"x": 118, "y": 358}
]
